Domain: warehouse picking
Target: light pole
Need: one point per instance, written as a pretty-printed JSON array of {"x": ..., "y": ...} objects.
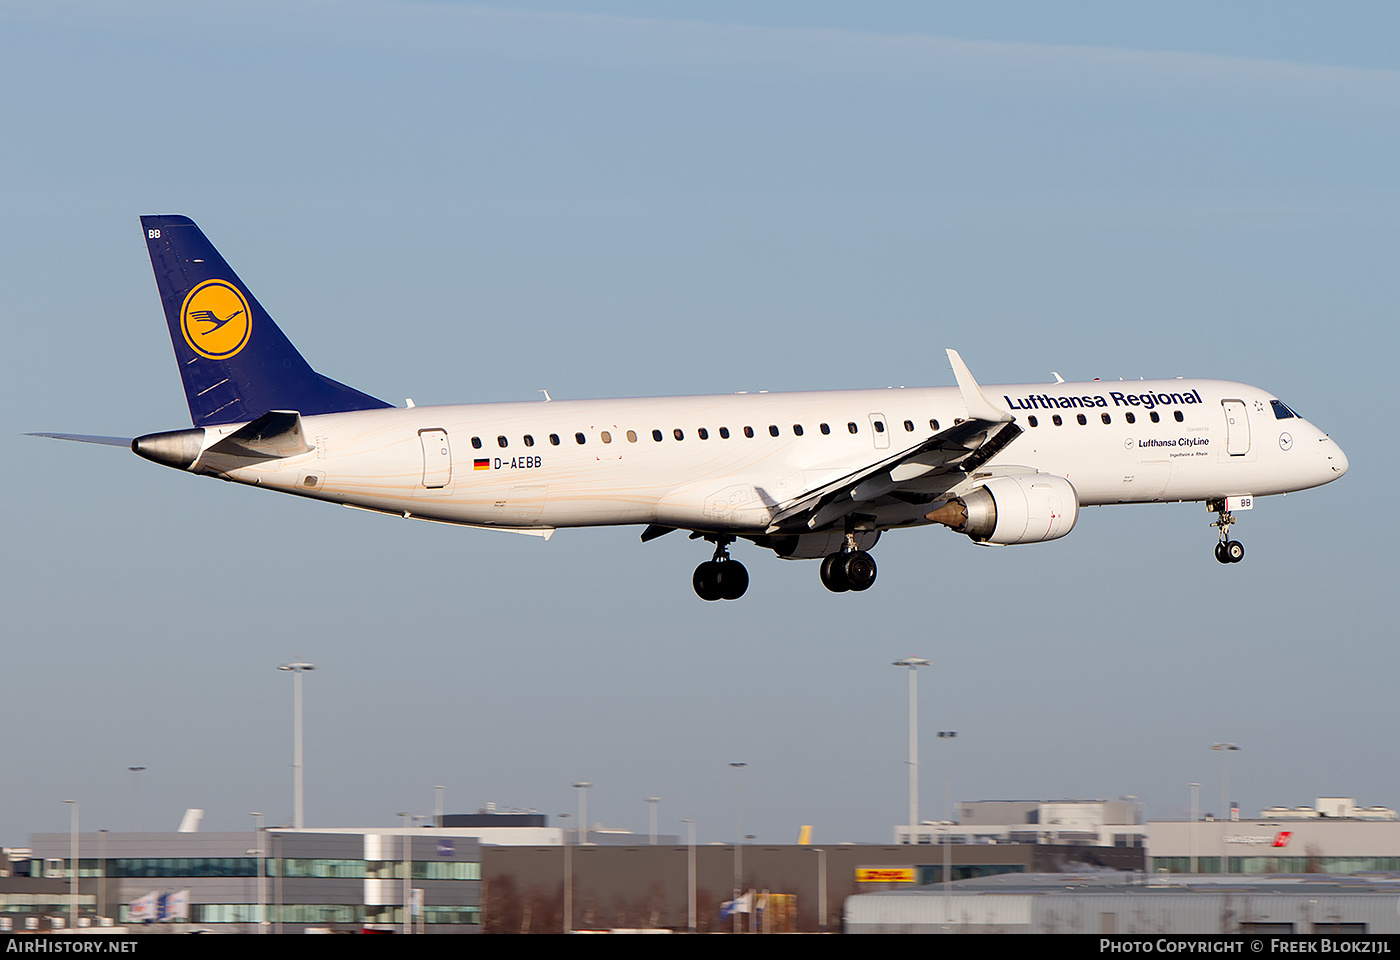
[
  {"x": 652, "y": 802},
  {"x": 821, "y": 890},
  {"x": 568, "y": 879},
  {"x": 101, "y": 874},
  {"x": 1225, "y": 750},
  {"x": 407, "y": 872},
  {"x": 262, "y": 870},
  {"x": 913, "y": 663},
  {"x": 582, "y": 788},
  {"x": 73, "y": 864},
  {"x": 947, "y": 736},
  {"x": 1191, "y": 837},
  {"x": 136, "y": 794},
  {"x": 297, "y": 668},
  {"x": 690, "y": 881},
  {"x": 738, "y": 845}
]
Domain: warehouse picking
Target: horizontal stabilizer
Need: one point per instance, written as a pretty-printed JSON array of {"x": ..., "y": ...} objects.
[
  {"x": 273, "y": 436},
  {"x": 85, "y": 438}
]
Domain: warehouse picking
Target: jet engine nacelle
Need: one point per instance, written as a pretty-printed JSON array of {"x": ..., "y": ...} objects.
[{"x": 1027, "y": 508}]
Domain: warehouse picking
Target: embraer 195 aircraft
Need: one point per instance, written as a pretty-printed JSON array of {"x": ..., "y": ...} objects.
[{"x": 807, "y": 475}]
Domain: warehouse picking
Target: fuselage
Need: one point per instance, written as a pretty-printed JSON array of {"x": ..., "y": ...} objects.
[{"x": 727, "y": 463}]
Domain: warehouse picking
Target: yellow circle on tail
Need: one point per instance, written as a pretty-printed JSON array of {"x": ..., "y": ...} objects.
[{"x": 215, "y": 320}]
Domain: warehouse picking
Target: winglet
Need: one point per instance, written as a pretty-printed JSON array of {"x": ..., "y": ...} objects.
[{"x": 978, "y": 406}]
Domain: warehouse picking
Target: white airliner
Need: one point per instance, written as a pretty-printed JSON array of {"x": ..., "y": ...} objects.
[{"x": 807, "y": 475}]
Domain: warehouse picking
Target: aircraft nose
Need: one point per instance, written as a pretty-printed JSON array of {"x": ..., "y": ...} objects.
[{"x": 1336, "y": 458}]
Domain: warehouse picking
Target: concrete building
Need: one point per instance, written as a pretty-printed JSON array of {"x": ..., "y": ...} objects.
[
  {"x": 1100, "y": 904},
  {"x": 1101, "y": 823},
  {"x": 329, "y": 879}
]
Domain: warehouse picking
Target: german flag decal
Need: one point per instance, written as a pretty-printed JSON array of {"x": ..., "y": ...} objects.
[{"x": 481, "y": 464}]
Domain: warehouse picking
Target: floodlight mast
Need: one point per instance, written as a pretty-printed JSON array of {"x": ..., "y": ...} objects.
[
  {"x": 913, "y": 663},
  {"x": 297, "y": 668}
]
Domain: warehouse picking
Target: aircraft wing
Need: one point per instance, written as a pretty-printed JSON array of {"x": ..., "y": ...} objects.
[{"x": 962, "y": 447}]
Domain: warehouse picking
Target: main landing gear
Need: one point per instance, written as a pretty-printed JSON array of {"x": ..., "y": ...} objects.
[
  {"x": 851, "y": 569},
  {"x": 1227, "y": 550},
  {"x": 720, "y": 578}
]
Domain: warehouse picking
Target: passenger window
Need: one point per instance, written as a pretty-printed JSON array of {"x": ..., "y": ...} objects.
[
  {"x": 772, "y": 429},
  {"x": 580, "y": 438},
  {"x": 677, "y": 434},
  {"x": 852, "y": 427},
  {"x": 724, "y": 433},
  {"x": 656, "y": 435},
  {"x": 825, "y": 429},
  {"x": 631, "y": 436},
  {"x": 1129, "y": 417},
  {"x": 1082, "y": 419},
  {"x": 1105, "y": 418},
  {"x": 501, "y": 441},
  {"x": 702, "y": 433},
  {"x": 1155, "y": 417},
  {"x": 797, "y": 429},
  {"x": 554, "y": 439},
  {"x": 933, "y": 425},
  {"x": 476, "y": 443},
  {"x": 1057, "y": 421},
  {"x": 1179, "y": 417},
  {"x": 529, "y": 440},
  {"x": 1033, "y": 421},
  {"x": 605, "y": 437},
  {"x": 879, "y": 426},
  {"x": 748, "y": 432},
  {"x": 909, "y": 426}
]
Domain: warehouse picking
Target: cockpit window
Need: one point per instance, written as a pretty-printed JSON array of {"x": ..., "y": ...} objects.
[{"x": 1281, "y": 411}]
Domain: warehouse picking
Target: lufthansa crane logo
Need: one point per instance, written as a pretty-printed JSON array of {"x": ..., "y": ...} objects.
[{"x": 215, "y": 320}]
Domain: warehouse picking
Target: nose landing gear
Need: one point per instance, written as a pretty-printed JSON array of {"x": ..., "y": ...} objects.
[
  {"x": 720, "y": 578},
  {"x": 1227, "y": 550}
]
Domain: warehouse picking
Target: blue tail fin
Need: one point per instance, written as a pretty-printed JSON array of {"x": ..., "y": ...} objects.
[{"x": 235, "y": 363}]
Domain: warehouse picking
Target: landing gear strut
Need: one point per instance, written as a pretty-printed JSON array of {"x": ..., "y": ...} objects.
[
  {"x": 720, "y": 578},
  {"x": 851, "y": 569},
  {"x": 1227, "y": 550}
]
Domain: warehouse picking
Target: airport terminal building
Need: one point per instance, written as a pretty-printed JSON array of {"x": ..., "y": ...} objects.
[
  {"x": 295, "y": 880},
  {"x": 1333, "y": 837}
]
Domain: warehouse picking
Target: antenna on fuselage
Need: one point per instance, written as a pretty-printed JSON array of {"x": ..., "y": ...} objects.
[
  {"x": 1056, "y": 375},
  {"x": 547, "y": 397}
]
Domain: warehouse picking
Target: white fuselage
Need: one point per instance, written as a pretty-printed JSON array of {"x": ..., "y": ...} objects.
[{"x": 542, "y": 465}]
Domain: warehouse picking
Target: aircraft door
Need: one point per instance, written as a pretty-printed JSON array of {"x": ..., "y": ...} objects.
[
  {"x": 437, "y": 458},
  {"x": 880, "y": 430},
  {"x": 1236, "y": 428}
]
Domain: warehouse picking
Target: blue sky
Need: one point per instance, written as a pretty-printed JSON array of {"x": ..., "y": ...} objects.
[{"x": 461, "y": 203}]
